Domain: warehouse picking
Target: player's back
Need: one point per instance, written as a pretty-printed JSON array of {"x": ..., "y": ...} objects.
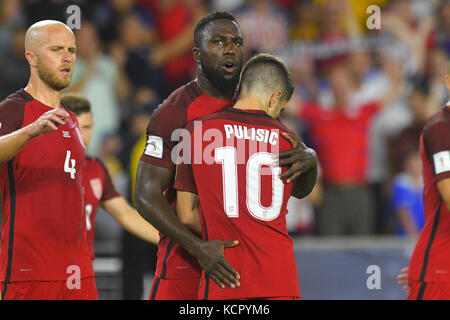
[
  {"x": 242, "y": 198},
  {"x": 430, "y": 261}
]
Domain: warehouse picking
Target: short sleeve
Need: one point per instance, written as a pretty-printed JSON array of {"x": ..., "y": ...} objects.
[
  {"x": 184, "y": 179},
  {"x": 109, "y": 192},
  {"x": 159, "y": 144},
  {"x": 11, "y": 116},
  {"x": 437, "y": 147}
]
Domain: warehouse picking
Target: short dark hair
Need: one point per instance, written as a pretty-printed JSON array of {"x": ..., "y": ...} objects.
[
  {"x": 76, "y": 103},
  {"x": 266, "y": 72},
  {"x": 216, "y": 15}
]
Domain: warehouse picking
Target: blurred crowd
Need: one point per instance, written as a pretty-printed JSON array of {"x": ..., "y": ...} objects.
[{"x": 361, "y": 96}]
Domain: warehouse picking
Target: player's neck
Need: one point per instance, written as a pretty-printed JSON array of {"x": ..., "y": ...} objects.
[
  {"x": 40, "y": 91},
  {"x": 207, "y": 87},
  {"x": 252, "y": 102}
]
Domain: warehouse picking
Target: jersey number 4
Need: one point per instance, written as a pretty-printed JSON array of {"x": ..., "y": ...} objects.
[
  {"x": 69, "y": 165},
  {"x": 227, "y": 157}
]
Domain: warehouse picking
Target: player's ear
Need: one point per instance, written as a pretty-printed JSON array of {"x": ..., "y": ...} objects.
[
  {"x": 31, "y": 58},
  {"x": 196, "y": 54},
  {"x": 275, "y": 97}
]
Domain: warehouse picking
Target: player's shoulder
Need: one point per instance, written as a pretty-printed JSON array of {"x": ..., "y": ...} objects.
[
  {"x": 15, "y": 101},
  {"x": 180, "y": 99},
  {"x": 440, "y": 121}
]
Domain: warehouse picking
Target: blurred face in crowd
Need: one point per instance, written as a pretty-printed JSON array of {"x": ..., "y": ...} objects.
[
  {"x": 132, "y": 32},
  {"x": 359, "y": 64},
  {"x": 341, "y": 85},
  {"x": 86, "y": 123},
  {"x": 50, "y": 50},
  {"x": 419, "y": 107},
  {"x": 87, "y": 41},
  {"x": 413, "y": 164},
  {"x": 402, "y": 9},
  {"x": 438, "y": 64},
  {"x": 444, "y": 15},
  {"x": 123, "y": 5},
  {"x": 221, "y": 54}
]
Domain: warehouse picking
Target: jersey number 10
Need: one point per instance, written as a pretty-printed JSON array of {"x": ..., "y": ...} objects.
[{"x": 227, "y": 157}]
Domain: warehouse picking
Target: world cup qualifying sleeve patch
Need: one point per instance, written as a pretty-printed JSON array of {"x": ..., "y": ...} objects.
[
  {"x": 154, "y": 147},
  {"x": 441, "y": 161}
]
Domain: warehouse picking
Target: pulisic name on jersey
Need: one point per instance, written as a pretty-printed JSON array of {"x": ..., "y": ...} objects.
[
  {"x": 258, "y": 134},
  {"x": 202, "y": 149}
]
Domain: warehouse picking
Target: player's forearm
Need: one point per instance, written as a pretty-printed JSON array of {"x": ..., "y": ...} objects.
[
  {"x": 444, "y": 190},
  {"x": 12, "y": 143},
  {"x": 191, "y": 220},
  {"x": 132, "y": 221},
  {"x": 305, "y": 183},
  {"x": 159, "y": 213},
  {"x": 154, "y": 207}
]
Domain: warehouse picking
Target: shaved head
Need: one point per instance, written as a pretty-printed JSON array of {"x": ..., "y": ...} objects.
[
  {"x": 51, "y": 52},
  {"x": 40, "y": 32}
]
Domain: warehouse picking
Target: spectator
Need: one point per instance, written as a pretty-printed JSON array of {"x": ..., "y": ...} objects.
[
  {"x": 407, "y": 195},
  {"x": 11, "y": 18},
  {"x": 305, "y": 25},
  {"x": 340, "y": 136},
  {"x": 400, "y": 22},
  {"x": 136, "y": 49},
  {"x": 14, "y": 67},
  {"x": 440, "y": 37},
  {"x": 175, "y": 23},
  {"x": 96, "y": 76},
  {"x": 421, "y": 106},
  {"x": 264, "y": 27}
]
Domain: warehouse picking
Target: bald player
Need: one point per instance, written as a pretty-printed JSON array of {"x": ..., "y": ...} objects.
[{"x": 43, "y": 253}]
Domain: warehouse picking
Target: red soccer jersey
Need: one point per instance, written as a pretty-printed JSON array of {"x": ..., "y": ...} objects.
[
  {"x": 98, "y": 187},
  {"x": 43, "y": 231},
  {"x": 242, "y": 198},
  {"x": 183, "y": 105},
  {"x": 430, "y": 261}
]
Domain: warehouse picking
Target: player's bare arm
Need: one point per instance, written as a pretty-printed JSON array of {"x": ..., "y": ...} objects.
[
  {"x": 303, "y": 169},
  {"x": 444, "y": 190},
  {"x": 151, "y": 182},
  {"x": 130, "y": 219},
  {"x": 187, "y": 210},
  {"x": 12, "y": 143}
]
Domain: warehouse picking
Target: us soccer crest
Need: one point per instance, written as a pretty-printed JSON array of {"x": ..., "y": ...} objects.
[{"x": 97, "y": 187}]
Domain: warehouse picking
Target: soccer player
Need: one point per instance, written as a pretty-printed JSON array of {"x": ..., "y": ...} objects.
[
  {"x": 234, "y": 190},
  {"x": 219, "y": 53},
  {"x": 429, "y": 267},
  {"x": 43, "y": 251},
  {"x": 98, "y": 187}
]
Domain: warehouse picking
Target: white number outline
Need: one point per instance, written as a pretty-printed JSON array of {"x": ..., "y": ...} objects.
[{"x": 222, "y": 154}]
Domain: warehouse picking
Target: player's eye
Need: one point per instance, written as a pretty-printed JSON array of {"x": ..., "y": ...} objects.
[{"x": 218, "y": 42}]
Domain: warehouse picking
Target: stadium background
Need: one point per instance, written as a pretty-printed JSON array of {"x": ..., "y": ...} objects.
[{"x": 133, "y": 53}]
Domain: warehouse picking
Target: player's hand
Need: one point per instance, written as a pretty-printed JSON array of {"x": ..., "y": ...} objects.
[
  {"x": 48, "y": 122},
  {"x": 299, "y": 159},
  {"x": 402, "y": 278},
  {"x": 447, "y": 82},
  {"x": 212, "y": 260}
]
